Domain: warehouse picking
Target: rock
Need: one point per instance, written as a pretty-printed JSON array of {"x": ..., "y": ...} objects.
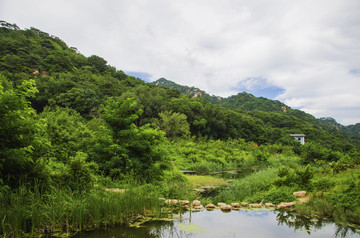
[
  {"x": 210, "y": 206},
  {"x": 304, "y": 199},
  {"x": 255, "y": 205},
  {"x": 199, "y": 207},
  {"x": 219, "y": 204},
  {"x": 235, "y": 204},
  {"x": 269, "y": 205},
  {"x": 225, "y": 207},
  {"x": 184, "y": 202},
  {"x": 286, "y": 204},
  {"x": 244, "y": 204},
  {"x": 171, "y": 202},
  {"x": 300, "y": 194},
  {"x": 196, "y": 203},
  {"x": 186, "y": 207}
]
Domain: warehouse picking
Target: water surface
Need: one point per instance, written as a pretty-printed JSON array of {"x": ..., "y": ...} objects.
[{"x": 242, "y": 223}]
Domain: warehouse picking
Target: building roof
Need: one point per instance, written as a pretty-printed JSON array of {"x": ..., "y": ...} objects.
[{"x": 303, "y": 135}]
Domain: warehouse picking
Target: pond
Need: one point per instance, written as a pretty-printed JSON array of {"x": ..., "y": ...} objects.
[{"x": 241, "y": 223}]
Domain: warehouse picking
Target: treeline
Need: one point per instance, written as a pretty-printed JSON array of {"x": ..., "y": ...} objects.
[{"x": 245, "y": 102}]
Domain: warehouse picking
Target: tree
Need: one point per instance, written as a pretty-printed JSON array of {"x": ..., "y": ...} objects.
[
  {"x": 21, "y": 141},
  {"x": 98, "y": 62},
  {"x": 174, "y": 124},
  {"x": 68, "y": 133},
  {"x": 140, "y": 149}
]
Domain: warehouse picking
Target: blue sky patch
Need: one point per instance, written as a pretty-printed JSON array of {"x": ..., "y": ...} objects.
[
  {"x": 259, "y": 87},
  {"x": 141, "y": 75},
  {"x": 355, "y": 71}
]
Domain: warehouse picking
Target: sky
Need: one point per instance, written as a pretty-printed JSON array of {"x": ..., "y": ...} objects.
[{"x": 304, "y": 53}]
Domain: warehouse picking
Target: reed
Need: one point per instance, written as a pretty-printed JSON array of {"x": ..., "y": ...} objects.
[
  {"x": 248, "y": 186},
  {"x": 62, "y": 210}
]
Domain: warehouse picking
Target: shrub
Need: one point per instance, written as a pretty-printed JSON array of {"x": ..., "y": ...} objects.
[
  {"x": 322, "y": 183},
  {"x": 298, "y": 177},
  {"x": 274, "y": 195},
  {"x": 174, "y": 185}
]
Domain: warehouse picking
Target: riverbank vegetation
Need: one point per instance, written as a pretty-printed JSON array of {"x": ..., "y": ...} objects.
[{"x": 84, "y": 146}]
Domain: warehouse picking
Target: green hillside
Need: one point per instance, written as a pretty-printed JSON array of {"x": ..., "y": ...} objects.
[
  {"x": 246, "y": 102},
  {"x": 66, "y": 78},
  {"x": 241, "y": 102}
]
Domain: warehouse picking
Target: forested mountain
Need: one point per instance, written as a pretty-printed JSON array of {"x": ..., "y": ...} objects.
[
  {"x": 192, "y": 91},
  {"x": 241, "y": 102},
  {"x": 60, "y": 106},
  {"x": 245, "y": 102},
  {"x": 352, "y": 130}
]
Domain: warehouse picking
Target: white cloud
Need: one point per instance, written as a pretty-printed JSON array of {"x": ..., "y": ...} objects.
[{"x": 311, "y": 49}]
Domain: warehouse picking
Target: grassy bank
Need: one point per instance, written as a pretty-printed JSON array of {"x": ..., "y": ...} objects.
[
  {"x": 197, "y": 181},
  {"x": 334, "y": 194},
  {"x": 61, "y": 210}
]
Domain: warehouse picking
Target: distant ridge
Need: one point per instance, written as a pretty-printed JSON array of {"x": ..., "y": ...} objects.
[
  {"x": 192, "y": 91},
  {"x": 242, "y": 101},
  {"x": 247, "y": 102}
]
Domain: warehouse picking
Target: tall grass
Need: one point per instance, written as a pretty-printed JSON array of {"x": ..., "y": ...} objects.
[
  {"x": 62, "y": 210},
  {"x": 247, "y": 187}
]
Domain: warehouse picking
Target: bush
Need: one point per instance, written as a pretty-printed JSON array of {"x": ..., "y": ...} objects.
[
  {"x": 274, "y": 195},
  {"x": 81, "y": 172},
  {"x": 322, "y": 183},
  {"x": 77, "y": 174},
  {"x": 261, "y": 157},
  {"x": 174, "y": 185},
  {"x": 298, "y": 177},
  {"x": 286, "y": 177}
]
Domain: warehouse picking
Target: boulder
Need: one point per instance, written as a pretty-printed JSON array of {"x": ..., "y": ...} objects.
[
  {"x": 199, "y": 207},
  {"x": 304, "y": 199},
  {"x": 255, "y": 205},
  {"x": 235, "y": 204},
  {"x": 219, "y": 204},
  {"x": 210, "y": 206},
  {"x": 196, "y": 203},
  {"x": 244, "y": 204},
  {"x": 269, "y": 204},
  {"x": 171, "y": 202},
  {"x": 286, "y": 204},
  {"x": 225, "y": 207},
  {"x": 184, "y": 202},
  {"x": 300, "y": 194}
]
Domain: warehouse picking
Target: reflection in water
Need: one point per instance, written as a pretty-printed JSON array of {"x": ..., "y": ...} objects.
[
  {"x": 296, "y": 222},
  {"x": 306, "y": 224},
  {"x": 242, "y": 223}
]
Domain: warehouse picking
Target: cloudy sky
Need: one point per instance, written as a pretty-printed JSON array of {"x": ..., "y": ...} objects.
[{"x": 305, "y": 53}]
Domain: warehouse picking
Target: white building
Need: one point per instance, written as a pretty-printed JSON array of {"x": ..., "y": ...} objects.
[{"x": 299, "y": 137}]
